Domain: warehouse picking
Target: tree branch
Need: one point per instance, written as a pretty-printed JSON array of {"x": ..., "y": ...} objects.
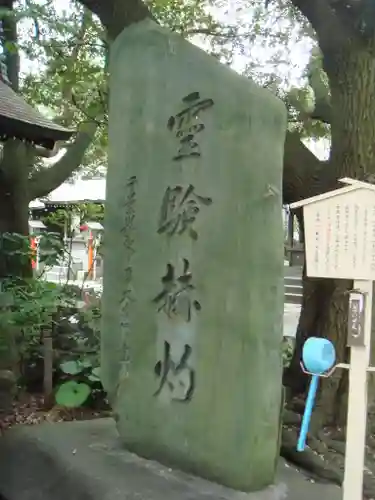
[
  {"x": 46, "y": 180},
  {"x": 322, "y": 110},
  {"x": 304, "y": 174},
  {"x": 116, "y": 15},
  {"x": 330, "y": 31},
  {"x": 9, "y": 43},
  {"x": 67, "y": 84},
  {"x": 211, "y": 32},
  {"x": 49, "y": 153}
]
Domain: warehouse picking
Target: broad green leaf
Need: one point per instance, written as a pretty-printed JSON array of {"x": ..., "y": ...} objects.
[
  {"x": 95, "y": 375},
  {"x": 71, "y": 367},
  {"x": 86, "y": 363},
  {"x": 72, "y": 394}
]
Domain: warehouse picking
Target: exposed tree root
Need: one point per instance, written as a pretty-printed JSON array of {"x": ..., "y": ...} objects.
[
  {"x": 291, "y": 418},
  {"x": 308, "y": 460},
  {"x": 338, "y": 446},
  {"x": 323, "y": 460}
]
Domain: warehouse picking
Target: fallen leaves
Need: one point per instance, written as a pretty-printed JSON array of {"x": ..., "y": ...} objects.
[{"x": 30, "y": 410}]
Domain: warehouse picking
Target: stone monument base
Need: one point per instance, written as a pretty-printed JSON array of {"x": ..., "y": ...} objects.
[{"x": 85, "y": 461}]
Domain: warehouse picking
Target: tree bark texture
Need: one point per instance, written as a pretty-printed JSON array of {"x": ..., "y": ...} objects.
[
  {"x": 14, "y": 200},
  {"x": 115, "y": 15}
]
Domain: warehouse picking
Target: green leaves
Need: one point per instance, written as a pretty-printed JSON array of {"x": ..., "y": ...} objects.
[
  {"x": 183, "y": 16},
  {"x": 30, "y": 304},
  {"x": 287, "y": 349},
  {"x": 72, "y": 394},
  {"x": 67, "y": 77},
  {"x": 74, "y": 367},
  {"x": 75, "y": 392},
  {"x": 51, "y": 249},
  {"x": 94, "y": 375},
  {"x": 71, "y": 367}
]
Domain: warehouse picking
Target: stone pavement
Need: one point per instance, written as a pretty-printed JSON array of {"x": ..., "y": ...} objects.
[{"x": 84, "y": 461}]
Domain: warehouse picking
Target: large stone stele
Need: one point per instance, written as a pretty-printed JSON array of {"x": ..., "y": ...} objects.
[{"x": 193, "y": 278}]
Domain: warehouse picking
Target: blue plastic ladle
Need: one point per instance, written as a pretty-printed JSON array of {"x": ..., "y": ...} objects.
[{"x": 318, "y": 356}]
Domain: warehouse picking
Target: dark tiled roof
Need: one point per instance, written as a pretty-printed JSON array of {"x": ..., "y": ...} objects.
[{"x": 19, "y": 119}]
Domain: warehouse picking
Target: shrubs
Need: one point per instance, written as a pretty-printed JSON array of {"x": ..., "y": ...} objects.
[{"x": 30, "y": 308}]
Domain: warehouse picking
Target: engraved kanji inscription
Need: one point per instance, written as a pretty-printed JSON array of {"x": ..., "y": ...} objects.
[
  {"x": 179, "y": 209},
  {"x": 129, "y": 214},
  {"x": 187, "y": 124},
  {"x": 176, "y": 377},
  {"x": 126, "y": 270},
  {"x": 176, "y": 296}
]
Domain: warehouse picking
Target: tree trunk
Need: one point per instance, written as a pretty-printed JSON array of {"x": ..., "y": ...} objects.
[
  {"x": 324, "y": 314},
  {"x": 351, "y": 75},
  {"x": 117, "y": 14},
  {"x": 14, "y": 200}
]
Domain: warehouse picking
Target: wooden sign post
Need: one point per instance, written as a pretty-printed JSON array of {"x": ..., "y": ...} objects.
[{"x": 340, "y": 244}]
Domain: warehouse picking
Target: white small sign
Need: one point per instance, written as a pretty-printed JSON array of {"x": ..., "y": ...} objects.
[{"x": 340, "y": 232}]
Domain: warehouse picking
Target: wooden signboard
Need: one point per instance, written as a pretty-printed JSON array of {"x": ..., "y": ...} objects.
[{"x": 340, "y": 233}]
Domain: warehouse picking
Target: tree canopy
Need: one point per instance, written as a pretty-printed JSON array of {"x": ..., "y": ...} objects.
[{"x": 71, "y": 47}]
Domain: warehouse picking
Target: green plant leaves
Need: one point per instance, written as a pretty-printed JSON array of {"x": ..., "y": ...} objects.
[
  {"x": 30, "y": 304},
  {"x": 77, "y": 367},
  {"x": 86, "y": 363},
  {"x": 71, "y": 367},
  {"x": 94, "y": 375},
  {"x": 51, "y": 249},
  {"x": 287, "y": 349},
  {"x": 72, "y": 394}
]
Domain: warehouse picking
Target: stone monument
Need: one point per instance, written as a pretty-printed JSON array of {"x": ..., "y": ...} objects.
[{"x": 193, "y": 274}]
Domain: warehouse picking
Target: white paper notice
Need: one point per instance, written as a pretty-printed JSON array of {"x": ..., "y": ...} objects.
[{"x": 340, "y": 236}]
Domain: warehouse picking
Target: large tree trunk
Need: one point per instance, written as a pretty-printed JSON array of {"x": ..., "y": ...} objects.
[
  {"x": 14, "y": 200},
  {"x": 324, "y": 311},
  {"x": 324, "y": 314},
  {"x": 117, "y": 14}
]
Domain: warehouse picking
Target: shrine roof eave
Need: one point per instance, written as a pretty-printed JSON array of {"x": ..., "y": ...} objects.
[
  {"x": 16, "y": 129},
  {"x": 70, "y": 203},
  {"x": 20, "y": 120}
]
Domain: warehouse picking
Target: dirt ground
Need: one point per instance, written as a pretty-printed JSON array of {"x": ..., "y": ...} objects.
[{"x": 31, "y": 410}]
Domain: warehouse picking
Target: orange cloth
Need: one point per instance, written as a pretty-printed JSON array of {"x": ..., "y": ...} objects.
[
  {"x": 90, "y": 254},
  {"x": 33, "y": 252}
]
